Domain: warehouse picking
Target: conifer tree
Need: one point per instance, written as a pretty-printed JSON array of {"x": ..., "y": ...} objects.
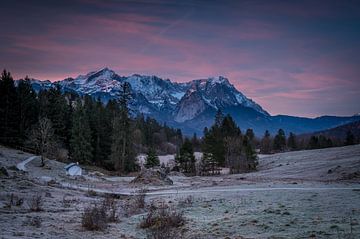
[
  {"x": 122, "y": 153},
  {"x": 350, "y": 139},
  {"x": 81, "y": 149},
  {"x": 152, "y": 159},
  {"x": 265, "y": 146},
  {"x": 280, "y": 141},
  {"x": 9, "y": 118},
  {"x": 291, "y": 142},
  {"x": 28, "y": 107},
  {"x": 185, "y": 159}
]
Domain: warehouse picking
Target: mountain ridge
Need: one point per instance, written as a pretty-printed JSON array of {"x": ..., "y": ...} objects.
[{"x": 190, "y": 105}]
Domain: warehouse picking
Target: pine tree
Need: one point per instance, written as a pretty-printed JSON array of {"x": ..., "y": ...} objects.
[
  {"x": 280, "y": 141},
  {"x": 122, "y": 152},
  {"x": 9, "y": 110},
  {"x": 152, "y": 159},
  {"x": 54, "y": 106},
  {"x": 80, "y": 143},
  {"x": 291, "y": 142},
  {"x": 185, "y": 159},
  {"x": 28, "y": 107},
  {"x": 265, "y": 147},
  {"x": 350, "y": 139},
  {"x": 250, "y": 153}
]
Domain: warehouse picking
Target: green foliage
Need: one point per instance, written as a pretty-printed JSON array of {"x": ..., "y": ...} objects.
[
  {"x": 81, "y": 149},
  {"x": 265, "y": 145},
  {"x": 28, "y": 107},
  {"x": 280, "y": 141},
  {"x": 9, "y": 110},
  {"x": 152, "y": 159},
  {"x": 224, "y": 145},
  {"x": 185, "y": 159},
  {"x": 319, "y": 142},
  {"x": 350, "y": 139},
  {"x": 291, "y": 141}
]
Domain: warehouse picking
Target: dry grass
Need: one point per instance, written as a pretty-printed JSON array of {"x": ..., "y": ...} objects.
[
  {"x": 94, "y": 218},
  {"x": 163, "y": 222},
  {"x": 35, "y": 203}
]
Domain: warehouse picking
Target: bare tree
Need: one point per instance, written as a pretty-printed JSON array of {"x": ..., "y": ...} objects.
[{"x": 41, "y": 138}]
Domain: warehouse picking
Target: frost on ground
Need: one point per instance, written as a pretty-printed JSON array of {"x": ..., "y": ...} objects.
[{"x": 305, "y": 194}]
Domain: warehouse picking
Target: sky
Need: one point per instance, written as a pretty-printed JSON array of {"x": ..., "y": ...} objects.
[{"x": 297, "y": 58}]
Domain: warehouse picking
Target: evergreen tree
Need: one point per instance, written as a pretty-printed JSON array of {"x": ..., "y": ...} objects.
[
  {"x": 152, "y": 159},
  {"x": 54, "y": 106},
  {"x": 313, "y": 142},
  {"x": 185, "y": 159},
  {"x": 122, "y": 153},
  {"x": 265, "y": 146},
  {"x": 81, "y": 149},
  {"x": 350, "y": 139},
  {"x": 291, "y": 142},
  {"x": 250, "y": 154},
  {"x": 208, "y": 165},
  {"x": 28, "y": 107},
  {"x": 280, "y": 141},
  {"x": 250, "y": 135},
  {"x": 9, "y": 110}
]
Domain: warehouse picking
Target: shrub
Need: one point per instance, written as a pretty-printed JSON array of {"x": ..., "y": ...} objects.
[
  {"x": 162, "y": 218},
  {"x": 186, "y": 202},
  {"x": 110, "y": 206},
  {"x": 35, "y": 203},
  {"x": 140, "y": 198},
  {"x": 94, "y": 218}
]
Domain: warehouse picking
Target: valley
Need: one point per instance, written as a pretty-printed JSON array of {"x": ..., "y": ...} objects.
[{"x": 303, "y": 194}]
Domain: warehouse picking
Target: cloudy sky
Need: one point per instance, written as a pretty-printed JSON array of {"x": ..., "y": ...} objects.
[{"x": 292, "y": 57}]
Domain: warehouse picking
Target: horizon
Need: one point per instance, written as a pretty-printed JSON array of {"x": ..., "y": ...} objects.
[{"x": 293, "y": 58}]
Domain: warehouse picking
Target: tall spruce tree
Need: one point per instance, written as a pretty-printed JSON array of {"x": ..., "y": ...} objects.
[
  {"x": 291, "y": 142},
  {"x": 265, "y": 146},
  {"x": 28, "y": 107},
  {"x": 9, "y": 110},
  {"x": 152, "y": 159},
  {"x": 280, "y": 141},
  {"x": 80, "y": 143},
  {"x": 185, "y": 159},
  {"x": 350, "y": 139},
  {"x": 122, "y": 152}
]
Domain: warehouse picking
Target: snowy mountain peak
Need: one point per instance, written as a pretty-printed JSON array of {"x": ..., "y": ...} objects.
[{"x": 156, "y": 96}]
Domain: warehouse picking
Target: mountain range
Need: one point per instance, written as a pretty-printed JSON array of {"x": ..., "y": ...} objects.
[{"x": 189, "y": 106}]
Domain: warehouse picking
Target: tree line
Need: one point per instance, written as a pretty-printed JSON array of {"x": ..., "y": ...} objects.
[
  {"x": 223, "y": 145},
  {"x": 66, "y": 125}
]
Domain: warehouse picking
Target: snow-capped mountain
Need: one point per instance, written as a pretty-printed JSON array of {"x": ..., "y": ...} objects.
[
  {"x": 153, "y": 93},
  {"x": 190, "y": 106}
]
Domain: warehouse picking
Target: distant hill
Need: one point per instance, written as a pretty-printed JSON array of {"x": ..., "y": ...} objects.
[{"x": 338, "y": 133}]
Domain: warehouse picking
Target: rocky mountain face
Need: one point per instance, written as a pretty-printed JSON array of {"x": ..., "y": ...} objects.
[{"x": 190, "y": 106}]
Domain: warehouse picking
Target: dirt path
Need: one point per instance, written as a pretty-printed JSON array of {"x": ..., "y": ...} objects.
[{"x": 21, "y": 166}]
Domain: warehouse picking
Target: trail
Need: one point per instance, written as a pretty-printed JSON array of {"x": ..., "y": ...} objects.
[{"x": 21, "y": 166}]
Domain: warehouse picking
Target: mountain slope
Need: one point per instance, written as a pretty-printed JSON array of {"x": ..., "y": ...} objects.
[{"x": 191, "y": 105}]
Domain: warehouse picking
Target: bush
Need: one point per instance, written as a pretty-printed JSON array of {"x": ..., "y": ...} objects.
[
  {"x": 35, "y": 203},
  {"x": 140, "y": 198},
  {"x": 110, "y": 206},
  {"x": 162, "y": 218},
  {"x": 94, "y": 218}
]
